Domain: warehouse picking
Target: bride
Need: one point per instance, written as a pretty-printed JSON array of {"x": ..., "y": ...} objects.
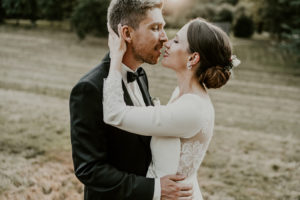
[{"x": 201, "y": 56}]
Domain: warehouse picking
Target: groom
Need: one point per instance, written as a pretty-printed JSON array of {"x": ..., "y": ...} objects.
[{"x": 111, "y": 163}]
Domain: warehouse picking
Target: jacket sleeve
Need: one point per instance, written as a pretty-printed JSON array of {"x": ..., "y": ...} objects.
[{"x": 89, "y": 150}]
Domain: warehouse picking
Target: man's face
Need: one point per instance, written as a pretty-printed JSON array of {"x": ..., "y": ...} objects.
[{"x": 149, "y": 37}]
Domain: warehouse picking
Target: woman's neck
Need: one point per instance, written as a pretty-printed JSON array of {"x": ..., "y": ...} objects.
[{"x": 188, "y": 83}]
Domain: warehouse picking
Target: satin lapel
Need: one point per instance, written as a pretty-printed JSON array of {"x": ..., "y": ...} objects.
[
  {"x": 147, "y": 99},
  {"x": 127, "y": 98},
  {"x": 144, "y": 90}
]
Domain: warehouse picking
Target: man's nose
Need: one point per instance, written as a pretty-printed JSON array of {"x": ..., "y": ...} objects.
[{"x": 163, "y": 36}]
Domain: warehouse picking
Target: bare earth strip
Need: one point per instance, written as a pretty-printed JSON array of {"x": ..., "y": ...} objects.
[{"x": 254, "y": 153}]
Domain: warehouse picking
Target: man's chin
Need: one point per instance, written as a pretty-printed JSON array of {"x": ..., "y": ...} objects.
[{"x": 152, "y": 61}]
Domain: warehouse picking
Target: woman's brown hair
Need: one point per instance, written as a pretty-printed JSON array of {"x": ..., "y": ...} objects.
[{"x": 214, "y": 48}]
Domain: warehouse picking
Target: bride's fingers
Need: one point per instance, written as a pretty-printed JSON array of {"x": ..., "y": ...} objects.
[
  {"x": 109, "y": 28},
  {"x": 120, "y": 31},
  {"x": 110, "y": 31}
]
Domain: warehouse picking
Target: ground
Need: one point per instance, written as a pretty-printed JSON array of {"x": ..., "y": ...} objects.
[{"x": 254, "y": 153}]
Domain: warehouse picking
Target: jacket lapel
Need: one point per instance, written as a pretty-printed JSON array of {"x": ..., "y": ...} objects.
[
  {"x": 143, "y": 84},
  {"x": 127, "y": 98}
]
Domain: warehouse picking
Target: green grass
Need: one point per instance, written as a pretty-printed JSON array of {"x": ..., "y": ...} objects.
[{"x": 254, "y": 153}]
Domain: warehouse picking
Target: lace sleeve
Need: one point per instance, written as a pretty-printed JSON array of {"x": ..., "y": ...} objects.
[
  {"x": 178, "y": 119},
  {"x": 113, "y": 100}
]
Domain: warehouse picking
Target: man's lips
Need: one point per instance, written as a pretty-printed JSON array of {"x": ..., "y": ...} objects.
[
  {"x": 166, "y": 54},
  {"x": 159, "y": 48}
]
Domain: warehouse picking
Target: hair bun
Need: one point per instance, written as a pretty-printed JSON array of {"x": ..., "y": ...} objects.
[{"x": 214, "y": 77}]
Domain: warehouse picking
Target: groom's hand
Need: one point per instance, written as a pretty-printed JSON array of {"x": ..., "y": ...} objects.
[{"x": 170, "y": 189}]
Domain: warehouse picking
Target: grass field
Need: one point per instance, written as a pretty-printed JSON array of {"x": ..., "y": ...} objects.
[{"x": 254, "y": 154}]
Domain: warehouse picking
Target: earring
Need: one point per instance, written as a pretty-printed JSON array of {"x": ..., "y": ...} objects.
[{"x": 188, "y": 66}]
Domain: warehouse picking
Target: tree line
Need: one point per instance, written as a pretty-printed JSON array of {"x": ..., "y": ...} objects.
[
  {"x": 278, "y": 17},
  {"x": 85, "y": 16}
]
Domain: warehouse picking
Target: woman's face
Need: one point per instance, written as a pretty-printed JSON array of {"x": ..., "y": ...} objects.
[{"x": 176, "y": 53}]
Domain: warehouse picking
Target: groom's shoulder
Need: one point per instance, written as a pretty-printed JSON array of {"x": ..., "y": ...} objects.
[{"x": 97, "y": 74}]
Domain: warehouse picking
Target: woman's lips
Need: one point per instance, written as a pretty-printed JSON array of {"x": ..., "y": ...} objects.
[{"x": 166, "y": 54}]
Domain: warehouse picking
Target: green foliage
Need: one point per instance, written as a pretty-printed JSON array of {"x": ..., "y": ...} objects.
[
  {"x": 2, "y": 13},
  {"x": 34, "y": 10},
  {"x": 15, "y": 8},
  {"x": 244, "y": 27},
  {"x": 175, "y": 22},
  {"x": 224, "y": 14},
  {"x": 21, "y": 9},
  {"x": 90, "y": 17},
  {"x": 206, "y": 11},
  {"x": 291, "y": 41},
  {"x": 51, "y": 9},
  {"x": 282, "y": 19},
  {"x": 232, "y": 2},
  {"x": 68, "y": 7}
]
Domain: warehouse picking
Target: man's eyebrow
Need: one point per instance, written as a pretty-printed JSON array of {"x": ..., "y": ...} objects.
[{"x": 158, "y": 23}]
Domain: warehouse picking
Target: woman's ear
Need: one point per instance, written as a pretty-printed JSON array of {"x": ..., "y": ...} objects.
[
  {"x": 127, "y": 33},
  {"x": 194, "y": 58}
]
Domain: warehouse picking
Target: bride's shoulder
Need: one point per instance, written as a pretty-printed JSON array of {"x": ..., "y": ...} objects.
[{"x": 195, "y": 100}]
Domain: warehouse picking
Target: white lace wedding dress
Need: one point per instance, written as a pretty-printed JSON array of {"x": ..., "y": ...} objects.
[{"x": 181, "y": 130}]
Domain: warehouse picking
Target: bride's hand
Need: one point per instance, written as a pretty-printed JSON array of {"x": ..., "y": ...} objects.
[{"x": 117, "y": 44}]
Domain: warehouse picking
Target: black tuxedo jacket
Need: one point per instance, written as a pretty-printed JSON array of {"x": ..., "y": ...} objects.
[{"x": 111, "y": 163}]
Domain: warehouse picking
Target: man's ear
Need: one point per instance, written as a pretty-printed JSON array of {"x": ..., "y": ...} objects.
[
  {"x": 194, "y": 58},
  {"x": 127, "y": 33}
]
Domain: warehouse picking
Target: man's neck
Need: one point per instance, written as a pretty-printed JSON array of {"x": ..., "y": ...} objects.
[{"x": 130, "y": 61}]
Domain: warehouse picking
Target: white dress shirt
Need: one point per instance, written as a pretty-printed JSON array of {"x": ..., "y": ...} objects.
[{"x": 137, "y": 100}]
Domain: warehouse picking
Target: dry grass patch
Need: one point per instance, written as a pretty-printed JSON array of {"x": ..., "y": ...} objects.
[{"x": 254, "y": 153}]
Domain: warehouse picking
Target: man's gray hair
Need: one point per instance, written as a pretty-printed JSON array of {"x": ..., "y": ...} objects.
[{"x": 130, "y": 12}]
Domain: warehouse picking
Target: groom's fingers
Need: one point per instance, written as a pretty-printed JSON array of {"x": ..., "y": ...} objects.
[
  {"x": 176, "y": 177},
  {"x": 185, "y": 187},
  {"x": 185, "y": 198},
  {"x": 186, "y": 193},
  {"x": 171, "y": 189}
]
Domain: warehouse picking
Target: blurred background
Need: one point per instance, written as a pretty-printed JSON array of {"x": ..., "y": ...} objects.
[{"x": 47, "y": 45}]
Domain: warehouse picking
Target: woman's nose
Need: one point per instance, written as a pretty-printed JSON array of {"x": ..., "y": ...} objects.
[{"x": 167, "y": 44}]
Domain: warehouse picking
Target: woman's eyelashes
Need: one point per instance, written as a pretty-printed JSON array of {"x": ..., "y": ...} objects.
[{"x": 175, "y": 40}]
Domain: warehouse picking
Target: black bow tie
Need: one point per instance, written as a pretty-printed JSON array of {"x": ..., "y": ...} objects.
[{"x": 132, "y": 76}]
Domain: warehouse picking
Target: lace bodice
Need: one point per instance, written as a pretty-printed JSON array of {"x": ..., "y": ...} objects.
[{"x": 190, "y": 157}]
